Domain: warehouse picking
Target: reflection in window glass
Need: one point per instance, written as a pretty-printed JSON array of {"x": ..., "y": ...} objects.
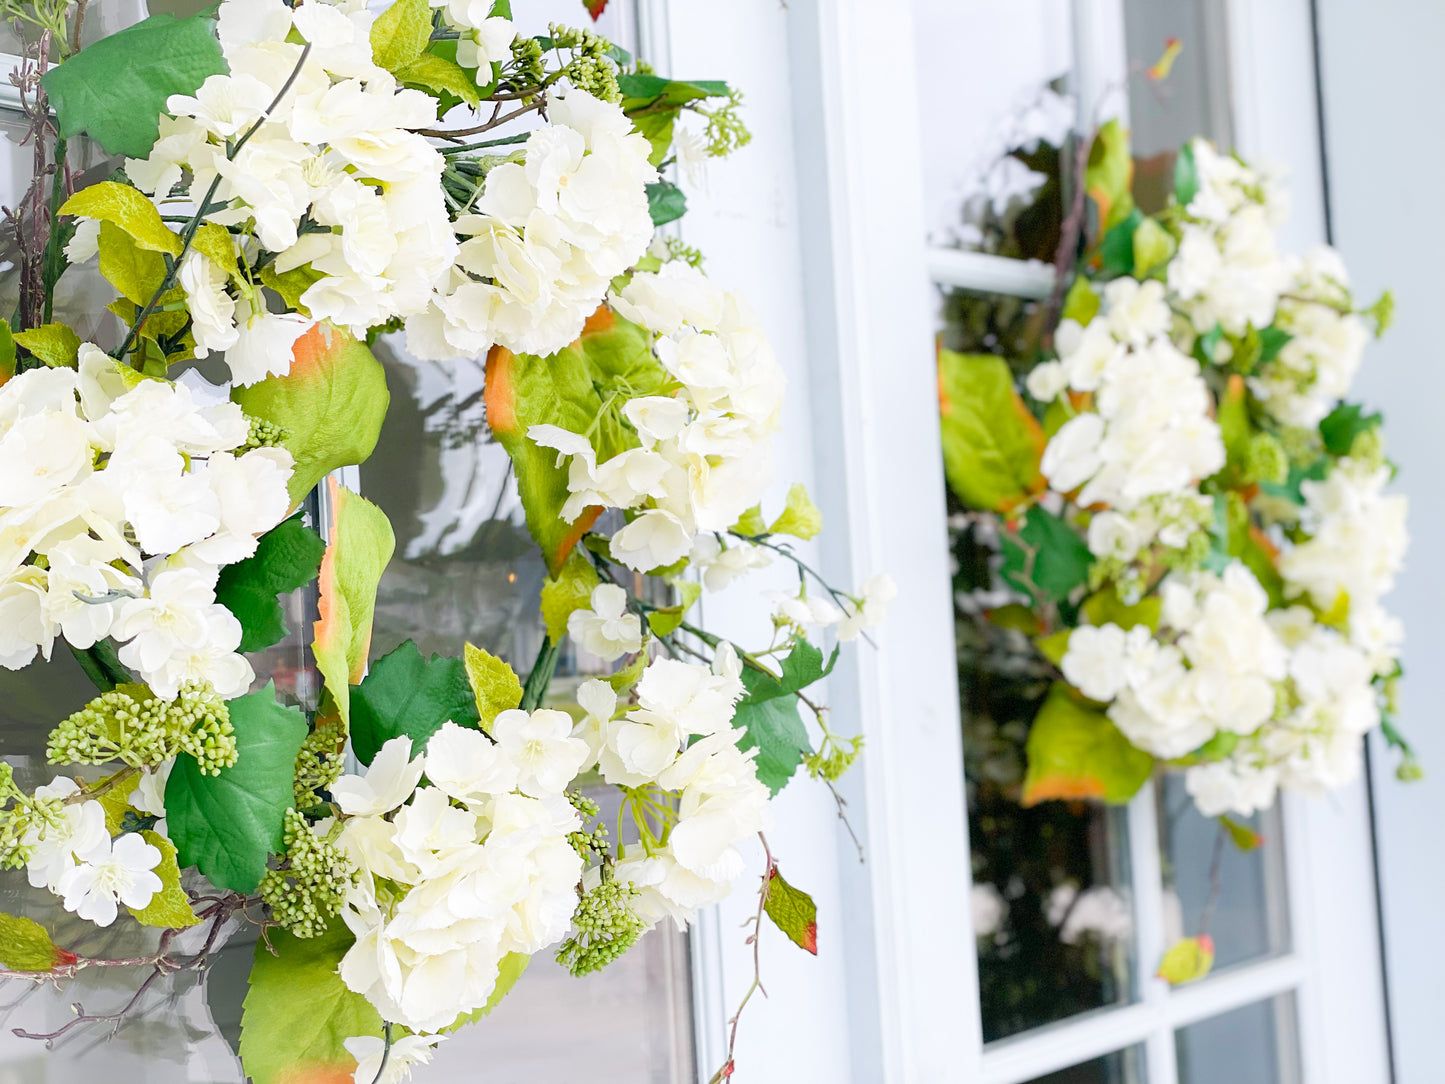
[
  {"x": 1120, "y": 1067},
  {"x": 1050, "y": 899},
  {"x": 1252, "y": 1045},
  {"x": 466, "y": 569},
  {"x": 1194, "y": 99},
  {"x": 976, "y": 111},
  {"x": 1210, "y": 885}
]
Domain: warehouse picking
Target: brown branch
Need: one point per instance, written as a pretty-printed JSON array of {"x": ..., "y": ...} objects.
[
  {"x": 754, "y": 939},
  {"x": 1067, "y": 254}
]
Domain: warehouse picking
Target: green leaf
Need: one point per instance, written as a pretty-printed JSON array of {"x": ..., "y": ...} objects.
[
  {"x": 1106, "y": 607},
  {"x": 665, "y": 202},
  {"x": 298, "y": 1013},
  {"x": 292, "y": 284},
  {"x": 116, "y": 89},
  {"x": 566, "y": 390},
  {"x": 630, "y": 674},
  {"x": 1271, "y": 341},
  {"x": 287, "y": 557},
  {"x": 1074, "y": 752},
  {"x": 991, "y": 443},
  {"x": 226, "y": 825},
  {"x": 1054, "y": 646},
  {"x": 331, "y": 404},
  {"x": 54, "y": 344},
  {"x": 406, "y": 695},
  {"x": 361, "y": 545},
  {"x": 1343, "y": 424},
  {"x": 659, "y": 128},
  {"x": 1153, "y": 246},
  {"x": 1234, "y": 425},
  {"x": 432, "y": 72},
  {"x": 666, "y": 621},
  {"x": 25, "y": 945},
  {"x": 1116, "y": 252},
  {"x": 1081, "y": 304},
  {"x": 1186, "y": 176},
  {"x": 792, "y": 911},
  {"x": 494, "y": 684},
  {"x": 568, "y": 591},
  {"x": 136, "y": 273},
  {"x": 1187, "y": 960},
  {"x": 774, "y": 727},
  {"x": 170, "y": 908},
  {"x": 1244, "y": 836},
  {"x": 400, "y": 34},
  {"x": 1110, "y": 174},
  {"x": 1061, "y": 558},
  {"x": 7, "y": 352},
  {"x": 800, "y": 517},
  {"x": 130, "y": 210}
]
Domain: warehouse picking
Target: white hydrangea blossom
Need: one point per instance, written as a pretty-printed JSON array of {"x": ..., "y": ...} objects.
[
  {"x": 706, "y": 454},
  {"x": 102, "y": 458},
  {"x": 455, "y": 875}
]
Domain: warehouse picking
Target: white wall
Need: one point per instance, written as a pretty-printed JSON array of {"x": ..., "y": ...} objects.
[{"x": 1384, "y": 87}]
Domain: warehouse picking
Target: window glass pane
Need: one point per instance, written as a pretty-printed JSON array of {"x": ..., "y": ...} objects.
[
  {"x": 1051, "y": 902},
  {"x": 1211, "y": 886},
  {"x": 975, "y": 111},
  {"x": 1120, "y": 1067},
  {"x": 1253, "y": 1045}
]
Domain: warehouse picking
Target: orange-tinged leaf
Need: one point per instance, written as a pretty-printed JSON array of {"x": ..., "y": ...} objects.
[
  {"x": 792, "y": 911},
  {"x": 360, "y": 543},
  {"x": 595, "y": 8},
  {"x": 1159, "y": 70},
  {"x": 992, "y": 444},
  {"x": 1074, "y": 751},
  {"x": 1187, "y": 960},
  {"x": 1244, "y": 837}
]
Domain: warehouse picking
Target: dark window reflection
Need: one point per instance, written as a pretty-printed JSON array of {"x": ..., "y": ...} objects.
[{"x": 1120, "y": 1067}]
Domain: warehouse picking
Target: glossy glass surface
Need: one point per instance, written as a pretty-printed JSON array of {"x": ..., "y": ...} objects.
[
  {"x": 1120, "y": 1067},
  {"x": 1252, "y": 1045}
]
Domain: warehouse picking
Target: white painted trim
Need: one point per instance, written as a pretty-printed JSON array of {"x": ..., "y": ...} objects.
[
  {"x": 1147, "y": 878},
  {"x": 986, "y": 273}
]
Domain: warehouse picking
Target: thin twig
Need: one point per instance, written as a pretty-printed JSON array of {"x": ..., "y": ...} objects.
[
  {"x": 755, "y": 940},
  {"x": 1066, "y": 256}
]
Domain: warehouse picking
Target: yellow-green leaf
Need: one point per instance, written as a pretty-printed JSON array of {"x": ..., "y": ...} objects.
[
  {"x": 169, "y": 908},
  {"x": 400, "y": 34},
  {"x": 127, "y": 208},
  {"x": 508, "y": 972},
  {"x": 1054, "y": 646},
  {"x": 792, "y": 911},
  {"x": 54, "y": 344},
  {"x": 215, "y": 241},
  {"x": 1074, "y": 752},
  {"x": 1187, "y": 960},
  {"x": 135, "y": 272},
  {"x": 1244, "y": 836},
  {"x": 7, "y": 352},
  {"x": 1153, "y": 246},
  {"x": 441, "y": 75},
  {"x": 991, "y": 443},
  {"x": 25, "y": 945},
  {"x": 630, "y": 674},
  {"x": 1081, "y": 304},
  {"x": 800, "y": 517},
  {"x": 1106, "y": 607},
  {"x": 570, "y": 590},
  {"x": 750, "y": 522},
  {"x": 291, "y": 285},
  {"x": 493, "y": 682}
]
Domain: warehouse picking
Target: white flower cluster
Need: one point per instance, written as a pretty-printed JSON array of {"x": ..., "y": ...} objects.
[
  {"x": 551, "y": 234},
  {"x": 1293, "y": 695},
  {"x": 1150, "y": 436},
  {"x": 1228, "y": 270},
  {"x": 75, "y": 858},
  {"x": 706, "y": 454},
  {"x": 333, "y": 180},
  {"x": 457, "y": 874},
  {"x": 1315, "y": 368},
  {"x": 851, "y": 616},
  {"x": 121, "y": 500},
  {"x": 679, "y": 739},
  {"x": 1355, "y": 546}
]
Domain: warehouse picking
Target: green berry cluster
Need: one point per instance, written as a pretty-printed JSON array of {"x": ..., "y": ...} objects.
[
  {"x": 321, "y": 760},
  {"x": 834, "y": 758},
  {"x": 308, "y": 887},
  {"x": 263, "y": 434},
  {"x": 606, "y": 927},
  {"x": 17, "y": 819},
  {"x": 726, "y": 131},
  {"x": 677, "y": 250},
  {"x": 131, "y": 724},
  {"x": 1301, "y": 444},
  {"x": 526, "y": 68},
  {"x": 587, "y": 843},
  {"x": 591, "y": 68},
  {"x": 1266, "y": 460}
]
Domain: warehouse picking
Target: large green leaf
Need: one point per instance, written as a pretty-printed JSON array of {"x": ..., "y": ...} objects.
[
  {"x": 359, "y": 547},
  {"x": 1048, "y": 560},
  {"x": 1343, "y": 424},
  {"x": 287, "y": 557},
  {"x": 406, "y": 695},
  {"x": 298, "y": 1013},
  {"x": 331, "y": 404},
  {"x": 768, "y": 714},
  {"x": 566, "y": 390},
  {"x": 116, "y": 89},
  {"x": 1074, "y": 752},
  {"x": 227, "y": 824},
  {"x": 991, "y": 443},
  {"x": 665, "y": 202}
]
